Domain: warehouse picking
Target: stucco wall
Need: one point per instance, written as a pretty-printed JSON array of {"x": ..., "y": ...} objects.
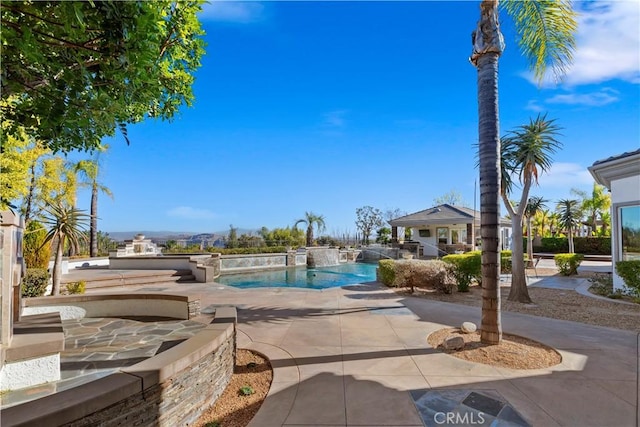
[
  {"x": 626, "y": 189},
  {"x": 624, "y": 192}
]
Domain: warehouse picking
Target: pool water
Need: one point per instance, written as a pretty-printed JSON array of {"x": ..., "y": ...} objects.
[{"x": 309, "y": 278}]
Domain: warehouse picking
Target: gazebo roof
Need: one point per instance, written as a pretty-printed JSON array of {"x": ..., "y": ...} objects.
[{"x": 441, "y": 215}]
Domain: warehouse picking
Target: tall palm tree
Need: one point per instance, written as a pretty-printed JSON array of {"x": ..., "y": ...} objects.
[
  {"x": 546, "y": 38},
  {"x": 541, "y": 221},
  {"x": 535, "y": 206},
  {"x": 90, "y": 171},
  {"x": 526, "y": 154},
  {"x": 595, "y": 205},
  {"x": 66, "y": 224},
  {"x": 311, "y": 219},
  {"x": 570, "y": 217}
]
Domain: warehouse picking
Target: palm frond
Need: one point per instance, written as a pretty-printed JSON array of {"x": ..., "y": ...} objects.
[{"x": 546, "y": 31}]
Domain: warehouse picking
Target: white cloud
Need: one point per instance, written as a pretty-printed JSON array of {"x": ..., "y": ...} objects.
[
  {"x": 533, "y": 105},
  {"x": 607, "y": 44},
  {"x": 335, "y": 119},
  {"x": 232, "y": 11},
  {"x": 594, "y": 99},
  {"x": 565, "y": 176},
  {"x": 187, "y": 212}
]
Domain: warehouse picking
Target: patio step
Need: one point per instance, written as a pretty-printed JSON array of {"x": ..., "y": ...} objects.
[{"x": 116, "y": 278}]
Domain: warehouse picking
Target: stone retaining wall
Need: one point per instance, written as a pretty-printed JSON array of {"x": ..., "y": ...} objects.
[{"x": 170, "y": 389}]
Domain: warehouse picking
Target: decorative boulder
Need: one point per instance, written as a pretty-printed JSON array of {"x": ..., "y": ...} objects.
[
  {"x": 453, "y": 343},
  {"x": 468, "y": 327}
]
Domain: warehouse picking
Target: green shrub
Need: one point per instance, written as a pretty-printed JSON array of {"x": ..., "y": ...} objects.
[
  {"x": 246, "y": 391},
  {"x": 568, "y": 263},
  {"x": 630, "y": 273},
  {"x": 432, "y": 274},
  {"x": 466, "y": 267},
  {"x": 387, "y": 271},
  {"x": 76, "y": 287},
  {"x": 34, "y": 283},
  {"x": 36, "y": 255}
]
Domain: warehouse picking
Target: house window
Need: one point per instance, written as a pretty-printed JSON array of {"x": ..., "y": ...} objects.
[
  {"x": 443, "y": 235},
  {"x": 630, "y": 220},
  {"x": 424, "y": 233},
  {"x": 458, "y": 236}
]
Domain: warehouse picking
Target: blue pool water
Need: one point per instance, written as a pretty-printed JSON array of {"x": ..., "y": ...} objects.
[{"x": 310, "y": 278}]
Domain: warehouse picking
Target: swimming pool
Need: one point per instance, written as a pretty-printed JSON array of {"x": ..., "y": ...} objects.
[{"x": 310, "y": 278}]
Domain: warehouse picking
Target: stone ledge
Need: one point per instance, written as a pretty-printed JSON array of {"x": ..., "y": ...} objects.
[{"x": 35, "y": 335}]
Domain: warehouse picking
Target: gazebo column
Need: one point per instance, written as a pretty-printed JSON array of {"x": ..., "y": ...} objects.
[{"x": 394, "y": 234}]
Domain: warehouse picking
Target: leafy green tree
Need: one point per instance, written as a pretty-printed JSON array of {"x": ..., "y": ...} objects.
[
  {"x": 384, "y": 235},
  {"x": 66, "y": 224},
  {"x": 283, "y": 236},
  {"x": 311, "y": 220},
  {"x": 89, "y": 171},
  {"x": 546, "y": 32},
  {"x": 74, "y": 71},
  {"x": 368, "y": 218},
  {"x": 36, "y": 253},
  {"x": 595, "y": 205},
  {"x": 16, "y": 156},
  {"x": 232, "y": 238},
  {"x": 526, "y": 154},
  {"x": 570, "y": 217}
]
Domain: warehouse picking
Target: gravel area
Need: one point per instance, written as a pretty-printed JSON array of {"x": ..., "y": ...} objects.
[
  {"x": 554, "y": 303},
  {"x": 513, "y": 351},
  {"x": 233, "y": 409}
]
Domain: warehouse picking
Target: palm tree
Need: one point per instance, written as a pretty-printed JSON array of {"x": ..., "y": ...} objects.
[
  {"x": 534, "y": 207},
  {"x": 546, "y": 39},
  {"x": 595, "y": 205},
  {"x": 526, "y": 153},
  {"x": 90, "y": 171},
  {"x": 311, "y": 219},
  {"x": 66, "y": 224},
  {"x": 541, "y": 221},
  {"x": 570, "y": 217}
]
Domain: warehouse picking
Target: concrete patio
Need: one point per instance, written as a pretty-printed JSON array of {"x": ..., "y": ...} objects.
[{"x": 358, "y": 356}]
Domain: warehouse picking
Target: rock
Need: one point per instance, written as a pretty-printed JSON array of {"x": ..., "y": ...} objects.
[
  {"x": 453, "y": 343},
  {"x": 468, "y": 327}
]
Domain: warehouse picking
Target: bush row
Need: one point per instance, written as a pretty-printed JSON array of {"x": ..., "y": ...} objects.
[
  {"x": 582, "y": 245},
  {"x": 432, "y": 274}
]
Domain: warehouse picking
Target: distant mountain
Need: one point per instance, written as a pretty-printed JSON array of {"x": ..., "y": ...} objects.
[{"x": 121, "y": 236}]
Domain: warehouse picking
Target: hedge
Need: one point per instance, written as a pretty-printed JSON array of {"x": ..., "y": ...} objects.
[
  {"x": 467, "y": 267},
  {"x": 248, "y": 251},
  {"x": 386, "y": 271},
  {"x": 582, "y": 245}
]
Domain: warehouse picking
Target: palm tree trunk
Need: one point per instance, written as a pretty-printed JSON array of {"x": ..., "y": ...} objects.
[
  {"x": 518, "y": 291},
  {"x": 310, "y": 235},
  {"x": 491, "y": 328},
  {"x": 93, "y": 232},
  {"x": 570, "y": 238},
  {"x": 30, "y": 193},
  {"x": 57, "y": 266}
]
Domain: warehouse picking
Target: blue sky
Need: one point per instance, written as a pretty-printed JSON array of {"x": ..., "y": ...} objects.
[{"x": 330, "y": 106}]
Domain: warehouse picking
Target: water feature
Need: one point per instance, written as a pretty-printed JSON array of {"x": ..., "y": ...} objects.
[
  {"x": 322, "y": 257},
  {"x": 309, "y": 278}
]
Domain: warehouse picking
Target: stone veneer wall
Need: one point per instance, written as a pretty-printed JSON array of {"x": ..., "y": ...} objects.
[
  {"x": 170, "y": 389},
  {"x": 177, "y": 402}
]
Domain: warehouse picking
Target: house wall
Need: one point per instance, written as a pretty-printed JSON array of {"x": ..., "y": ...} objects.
[{"x": 624, "y": 192}]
